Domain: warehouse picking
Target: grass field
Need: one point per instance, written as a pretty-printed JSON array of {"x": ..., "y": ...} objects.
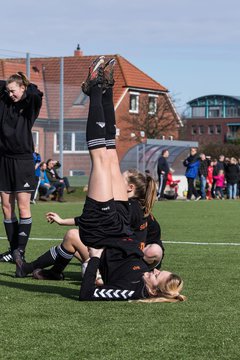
[{"x": 44, "y": 320}]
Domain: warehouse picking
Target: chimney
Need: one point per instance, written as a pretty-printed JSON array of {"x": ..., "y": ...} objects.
[{"x": 78, "y": 51}]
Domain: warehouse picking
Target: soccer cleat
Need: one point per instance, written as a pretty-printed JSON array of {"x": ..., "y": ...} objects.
[
  {"x": 95, "y": 75},
  {"x": 6, "y": 257},
  {"x": 42, "y": 274},
  {"x": 108, "y": 73},
  {"x": 19, "y": 260}
]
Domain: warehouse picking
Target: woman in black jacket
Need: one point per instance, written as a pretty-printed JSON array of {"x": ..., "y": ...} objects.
[
  {"x": 20, "y": 104},
  {"x": 232, "y": 177}
]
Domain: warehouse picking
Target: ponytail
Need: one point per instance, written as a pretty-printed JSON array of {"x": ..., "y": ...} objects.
[
  {"x": 20, "y": 78},
  {"x": 150, "y": 195},
  {"x": 145, "y": 189}
]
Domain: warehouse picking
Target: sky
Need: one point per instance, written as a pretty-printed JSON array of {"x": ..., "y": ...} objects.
[{"x": 190, "y": 47}]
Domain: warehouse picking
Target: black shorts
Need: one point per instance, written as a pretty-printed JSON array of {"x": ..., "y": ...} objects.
[
  {"x": 106, "y": 224},
  {"x": 17, "y": 175}
]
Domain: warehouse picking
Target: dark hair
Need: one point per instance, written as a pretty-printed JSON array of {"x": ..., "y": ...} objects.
[
  {"x": 19, "y": 78},
  {"x": 164, "y": 151},
  {"x": 48, "y": 161}
]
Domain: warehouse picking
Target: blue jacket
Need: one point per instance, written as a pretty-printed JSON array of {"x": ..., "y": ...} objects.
[
  {"x": 43, "y": 178},
  {"x": 192, "y": 163}
]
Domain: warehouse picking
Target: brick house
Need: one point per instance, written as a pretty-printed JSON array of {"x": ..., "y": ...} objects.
[
  {"x": 213, "y": 119},
  {"x": 132, "y": 87}
]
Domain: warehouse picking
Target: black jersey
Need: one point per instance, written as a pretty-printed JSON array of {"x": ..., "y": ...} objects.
[
  {"x": 123, "y": 278},
  {"x": 16, "y": 122},
  {"x": 146, "y": 228}
]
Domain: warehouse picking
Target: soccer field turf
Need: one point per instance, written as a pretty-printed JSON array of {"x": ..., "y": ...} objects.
[{"x": 44, "y": 320}]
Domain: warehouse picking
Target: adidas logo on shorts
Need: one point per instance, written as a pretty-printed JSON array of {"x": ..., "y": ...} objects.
[{"x": 26, "y": 185}]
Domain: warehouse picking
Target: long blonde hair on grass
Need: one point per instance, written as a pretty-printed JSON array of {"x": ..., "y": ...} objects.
[
  {"x": 145, "y": 189},
  {"x": 170, "y": 292}
]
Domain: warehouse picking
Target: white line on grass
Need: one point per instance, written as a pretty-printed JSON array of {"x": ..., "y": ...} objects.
[
  {"x": 200, "y": 243},
  {"x": 165, "y": 242}
]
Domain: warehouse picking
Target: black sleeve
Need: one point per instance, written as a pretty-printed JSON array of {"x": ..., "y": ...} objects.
[
  {"x": 33, "y": 102},
  {"x": 90, "y": 292},
  {"x": 88, "y": 284},
  {"x": 153, "y": 231},
  {"x": 76, "y": 219},
  {"x": 2, "y": 87},
  {"x": 186, "y": 162}
]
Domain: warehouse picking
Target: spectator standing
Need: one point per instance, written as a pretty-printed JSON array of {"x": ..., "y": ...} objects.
[
  {"x": 203, "y": 172},
  {"x": 192, "y": 163},
  {"x": 162, "y": 170},
  {"x": 220, "y": 163},
  {"x": 232, "y": 177},
  {"x": 220, "y": 183},
  {"x": 210, "y": 180}
]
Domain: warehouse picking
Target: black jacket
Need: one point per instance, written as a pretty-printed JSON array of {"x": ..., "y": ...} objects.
[
  {"x": 16, "y": 122},
  {"x": 203, "y": 168},
  {"x": 163, "y": 167},
  {"x": 232, "y": 173}
]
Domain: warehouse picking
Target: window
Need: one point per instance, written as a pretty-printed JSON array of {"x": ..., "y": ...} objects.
[
  {"x": 218, "y": 129},
  {"x": 134, "y": 103},
  {"x": 152, "y": 104},
  {"x": 210, "y": 129},
  {"x": 198, "y": 112},
  {"x": 194, "y": 130},
  {"x": 72, "y": 142},
  {"x": 215, "y": 112},
  {"x": 232, "y": 111},
  {"x": 35, "y": 135},
  {"x": 201, "y": 129}
]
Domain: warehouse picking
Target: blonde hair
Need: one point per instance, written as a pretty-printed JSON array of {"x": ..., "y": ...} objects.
[
  {"x": 170, "y": 292},
  {"x": 19, "y": 78},
  {"x": 145, "y": 189}
]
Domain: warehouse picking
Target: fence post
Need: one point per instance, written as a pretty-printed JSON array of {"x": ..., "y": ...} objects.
[{"x": 61, "y": 117}]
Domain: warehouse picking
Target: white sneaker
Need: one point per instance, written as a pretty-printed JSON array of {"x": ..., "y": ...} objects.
[{"x": 198, "y": 198}]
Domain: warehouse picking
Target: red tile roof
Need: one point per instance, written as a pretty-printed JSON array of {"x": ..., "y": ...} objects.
[{"x": 45, "y": 72}]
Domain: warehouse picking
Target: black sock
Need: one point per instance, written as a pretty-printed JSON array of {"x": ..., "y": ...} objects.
[
  {"x": 96, "y": 122},
  {"x": 24, "y": 228},
  {"x": 11, "y": 228},
  {"x": 43, "y": 261},
  {"x": 109, "y": 114},
  {"x": 62, "y": 260}
]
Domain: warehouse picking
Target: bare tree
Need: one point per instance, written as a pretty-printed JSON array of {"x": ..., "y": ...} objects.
[{"x": 154, "y": 118}]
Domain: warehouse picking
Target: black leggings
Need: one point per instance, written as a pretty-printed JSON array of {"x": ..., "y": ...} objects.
[{"x": 191, "y": 189}]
